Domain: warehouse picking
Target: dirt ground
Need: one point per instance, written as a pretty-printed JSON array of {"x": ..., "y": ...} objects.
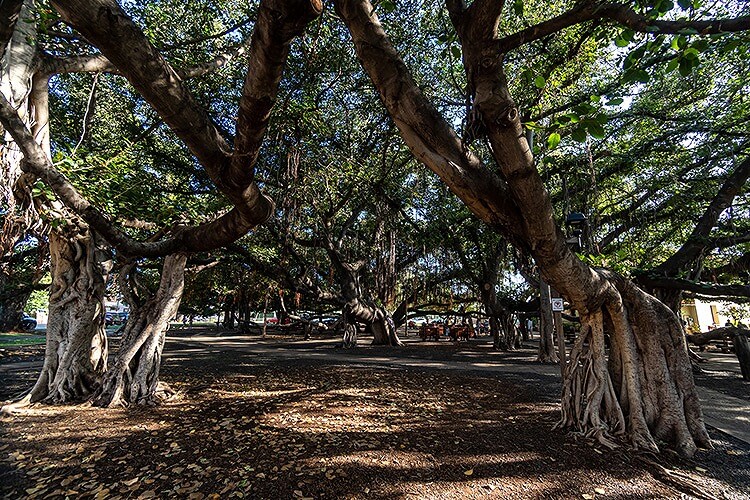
[{"x": 251, "y": 426}]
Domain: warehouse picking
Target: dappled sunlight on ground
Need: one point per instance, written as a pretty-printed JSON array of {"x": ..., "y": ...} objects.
[{"x": 245, "y": 426}]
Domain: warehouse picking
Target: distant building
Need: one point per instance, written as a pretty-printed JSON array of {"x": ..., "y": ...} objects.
[
  {"x": 115, "y": 304},
  {"x": 701, "y": 316}
]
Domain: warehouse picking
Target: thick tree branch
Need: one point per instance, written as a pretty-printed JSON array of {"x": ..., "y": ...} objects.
[
  {"x": 624, "y": 15},
  {"x": 9, "y": 13},
  {"x": 737, "y": 266},
  {"x": 425, "y": 131},
  {"x": 279, "y": 22},
  {"x": 722, "y": 242},
  {"x": 701, "y": 288},
  {"x": 725, "y": 332},
  {"x": 698, "y": 243},
  {"x": 122, "y": 42},
  {"x": 219, "y": 232}
]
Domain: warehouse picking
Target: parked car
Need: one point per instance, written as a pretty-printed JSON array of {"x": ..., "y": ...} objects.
[
  {"x": 28, "y": 324},
  {"x": 111, "y": 318}
]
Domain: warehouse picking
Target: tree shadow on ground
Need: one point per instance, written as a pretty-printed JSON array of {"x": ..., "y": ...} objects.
[{"x": 256, "y": 427}]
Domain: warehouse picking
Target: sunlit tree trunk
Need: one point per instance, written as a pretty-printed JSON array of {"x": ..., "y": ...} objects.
[
  {"x": 643, "y": 389},
  {"x": 547, "y": 352},
  {"x": 134, "y": 376},
  {"x": 76, "y": 351}
]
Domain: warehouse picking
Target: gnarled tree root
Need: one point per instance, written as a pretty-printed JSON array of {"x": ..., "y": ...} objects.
[
  {"x": 643, "y": 392},
  {"x": 134, "y": 376}
]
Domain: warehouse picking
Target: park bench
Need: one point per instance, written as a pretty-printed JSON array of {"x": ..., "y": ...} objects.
[
  {"x": 430, "y": 332},
  {"x": 464, "y": 332}
]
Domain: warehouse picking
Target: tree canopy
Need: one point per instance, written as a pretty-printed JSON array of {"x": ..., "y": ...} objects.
[{"x": 286, "y": 143}]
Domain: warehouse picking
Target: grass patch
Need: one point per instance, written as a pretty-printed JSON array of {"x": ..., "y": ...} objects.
[{"x": 20, "y": 339}]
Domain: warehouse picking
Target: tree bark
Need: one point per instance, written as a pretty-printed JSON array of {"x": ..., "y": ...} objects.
[
  {"x": 134, "y": 376},
  {"x": 357, "y": 307},
  {"x": 19, "y": 64},
  {"x": 547, "y": 352},
  {"x": 76, "y": 351},
  {"x": 653, "y": 396},
  {"x": 742, "y": 349}
]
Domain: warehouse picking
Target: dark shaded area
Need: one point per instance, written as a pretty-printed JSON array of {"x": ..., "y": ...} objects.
[{"x": 269, "y": 427}]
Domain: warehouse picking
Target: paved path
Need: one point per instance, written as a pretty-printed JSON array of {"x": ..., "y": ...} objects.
[{"x": 728, "y": 414}]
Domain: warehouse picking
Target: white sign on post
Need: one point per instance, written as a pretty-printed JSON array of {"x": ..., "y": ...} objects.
[{"x": 557, "y": 305}]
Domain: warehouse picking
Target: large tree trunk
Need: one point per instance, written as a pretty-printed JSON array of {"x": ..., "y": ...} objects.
[
  {"x": 547, "y": 352},
  {"x": 358, "y": 309},
  {"x": 377, "y": 318},
  {"x": 12, "y": 302},
  {"x": 18, "y": 66},
  {"x": 511, "y": 337},
  {"x": 648, "y": 392},
  {"x": 134, "y": 376},
  {"x": 76, "y": 352},
  {"x": 742, "y": 350},
  {"x": 670, "y": 298},
  {"x": 644, "y": 389}
]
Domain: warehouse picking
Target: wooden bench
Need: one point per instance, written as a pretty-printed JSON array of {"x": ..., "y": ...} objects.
[
  {"x": 430, "y": 331},
  {"x": 464, "y": 332}
]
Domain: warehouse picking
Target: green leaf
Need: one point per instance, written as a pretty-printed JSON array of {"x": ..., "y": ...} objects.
[
  {"x": 456, "y": 51},
  {"x": 584, "y": 108},
  {"x": 672, "y": 65},
  {"x": 615, "y": 102},
  {"x": 595, "y": 129},
  {"x": 518, "y": 7},
  {"x": 665, "y": 6},
  {"x": 700, "y": 45},
  {"x": 690, "y": 53},
  {"x": 685, "y": 4},
  {"x": 579, "y": 134},
  {"x": 388, "y": 5},
  {"x": 539, "y": 82},
  {"x": 686, "y": 67},
  {"x": 621, "y": 42},
  {"x": 553, "y": 140}
]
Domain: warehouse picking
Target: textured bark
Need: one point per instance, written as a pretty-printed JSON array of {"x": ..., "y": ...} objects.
[
  {"x": 510, "y": 338},
  {"x": 10, "y": 11},
  {"x": 547, "y": 352},
  {"x": 106, "y": 25},
  {"x": 653, "y": 396},
  {"x": 11, "y": 309},
  {"x": 76, "y": 351},
  {"x": 724, "y": 332},
  {"x": 644, "y": 391},
  {"x": 18, "y": 66},
  {"x": 134, "y": 375},
  {"x": 742, "y": 349},
  {"x": 350, "y": 328},
  {"x": 359, "y": 309}
]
